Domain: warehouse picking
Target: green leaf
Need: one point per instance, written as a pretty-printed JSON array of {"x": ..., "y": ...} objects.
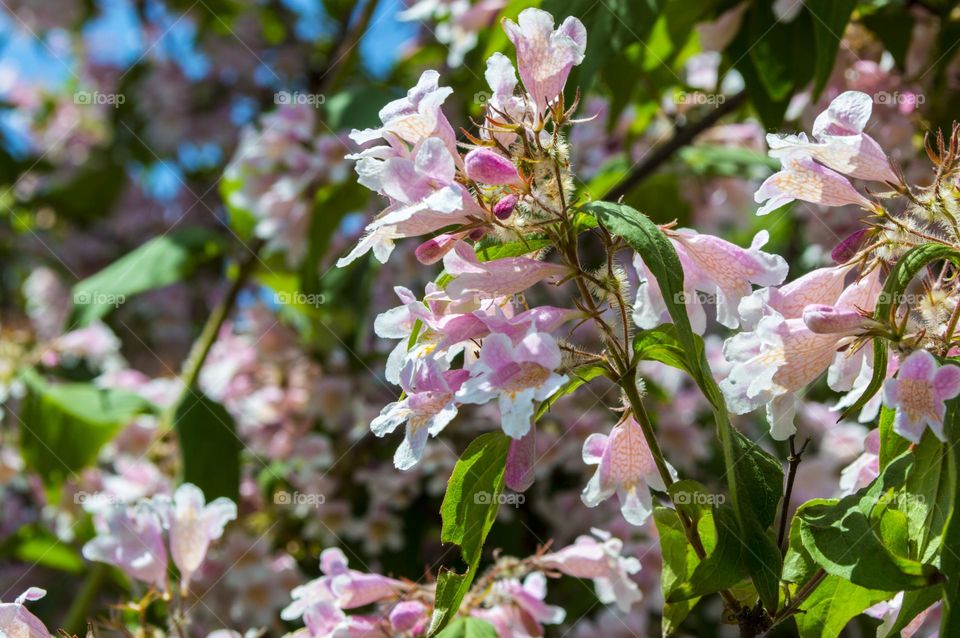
[
  {"x": 356, "y": 107},
  {"x": 64, "y": 425},
  {"x": 330, "y": 206},
  {"x": 892, "y": 445},
  {"x": 893, "y": 290},
  {"x": 863, "y": 539},
  {"x": 927, "y": 497},
  {"x": 661, "y": 344},
  {"x": 209, "y": 446},
  {"x": 950, "y": 560},
  {"x": 832, "y": 605},
  {"x": 830, "y": 18},
  {"x": 774, "y": 59},
  {"x": 894, "y": 27},
  {"x": 754, "y": 478},
  {"x": 679, "y": 562},
  {"x": 35, "y": 545},
  {"x": 159, "y": 262},
  {"x": 723, "y": 567},
  {"x": 469, "y": 509},
  {"x": 469, "y": 628}
]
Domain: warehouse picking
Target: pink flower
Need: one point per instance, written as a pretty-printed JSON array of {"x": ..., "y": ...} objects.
[
  {"x": 841, "y": 143},
  {"x": 16, "y": 620},
  {"x": 821, "y": 286},
  {"x": 519, "y": 610},
  {"x": 864, "y": 468},
  {"x": 426, "y": 409},
  {"x": 517, "y": 375},
  {"x": 544, "y": 55},
  {"x": 131, "y": 538},
  {"x": 193, "y": 524},
  {"x": 521, "y": 459},
  {"x": 502, "y": 78},
  {"x": 802, "y": 178},
  {"x": 625, "y": 466},
  {"x": 486, "y": 166},
  {"x": 323, "y": 599},
  {"x": 424, "y": 198},
  {"x": 924, "y": 625},
  {"x": 409, "y": 615},
  {"x": 714, "y": 267},
  {"x": 919, "y": 394},
  {"x": 603, "y": 562},
  {"x": 497, "y": 278},
  {"x": 782, "y": 355},
  {"x": 415, "y": 117}
]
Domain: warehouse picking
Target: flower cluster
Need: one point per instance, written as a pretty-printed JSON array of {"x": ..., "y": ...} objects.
[
  {"x": 819, "y": 322},
  {"x": 510, "y": 595},
  {"x": 513, "y": 179},
  {"x": 135, "y": 537}
]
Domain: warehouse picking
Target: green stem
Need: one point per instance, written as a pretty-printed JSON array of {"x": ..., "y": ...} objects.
[
  {"x": 75, "y": 621},
  {"x": 629, "y": 385}
]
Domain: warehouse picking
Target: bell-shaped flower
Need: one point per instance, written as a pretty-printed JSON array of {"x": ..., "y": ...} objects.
[
  {"x": 841, "y": 143},
  {"x": 340, "y": 587},
  {"x": 426, "y": 410},
  {"x": 496, "y": 278},
  {"x": 502, "y": 103},
  {"x": 415, "y": 117},
  {"x": 781, "y": 356},
  {"x": 131, "y": 538},
  {"x": 603, "y": 562},
  {"x": 517, "y": 375},
  {"x": 325, "y": 619},
  {"x": 625, "y": 466},
  {"x": 424, "y": 198},
  {"x": 919, "y": 394},
  {"x": 802, "y": 178},
  {"x": 193, "y": 525},
  {"x": 545, "y": 55},
  {"x": 820, "y": 286},
  {"x": 439, "y": 332},
  {"x": 519, "y": 610},
  {"x": 16, "y": 621},
  {"x": 713, "y": 267}
]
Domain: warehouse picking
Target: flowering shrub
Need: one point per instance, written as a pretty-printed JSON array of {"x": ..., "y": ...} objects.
[{"x": 642, "y": 401}]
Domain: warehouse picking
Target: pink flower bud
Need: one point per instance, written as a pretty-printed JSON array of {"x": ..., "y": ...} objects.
[
  {"x": 847, "y": 248},
  {"x": 489, "y": 167},
  {"x": 433, "y": 250},
  {"x": 406, "y": 615},
  {"x": 823, "y": 319},
  {"x": 504, "y": 208}
]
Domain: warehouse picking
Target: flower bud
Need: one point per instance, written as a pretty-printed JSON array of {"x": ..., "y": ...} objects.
[
  {"x": 847, "y": 248},
  {"x": 823, "y": 319},
  {"x": 489, "y": 167},
  {"x": 433, "y": 250},
  {"x": 504, "y": 208}
]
